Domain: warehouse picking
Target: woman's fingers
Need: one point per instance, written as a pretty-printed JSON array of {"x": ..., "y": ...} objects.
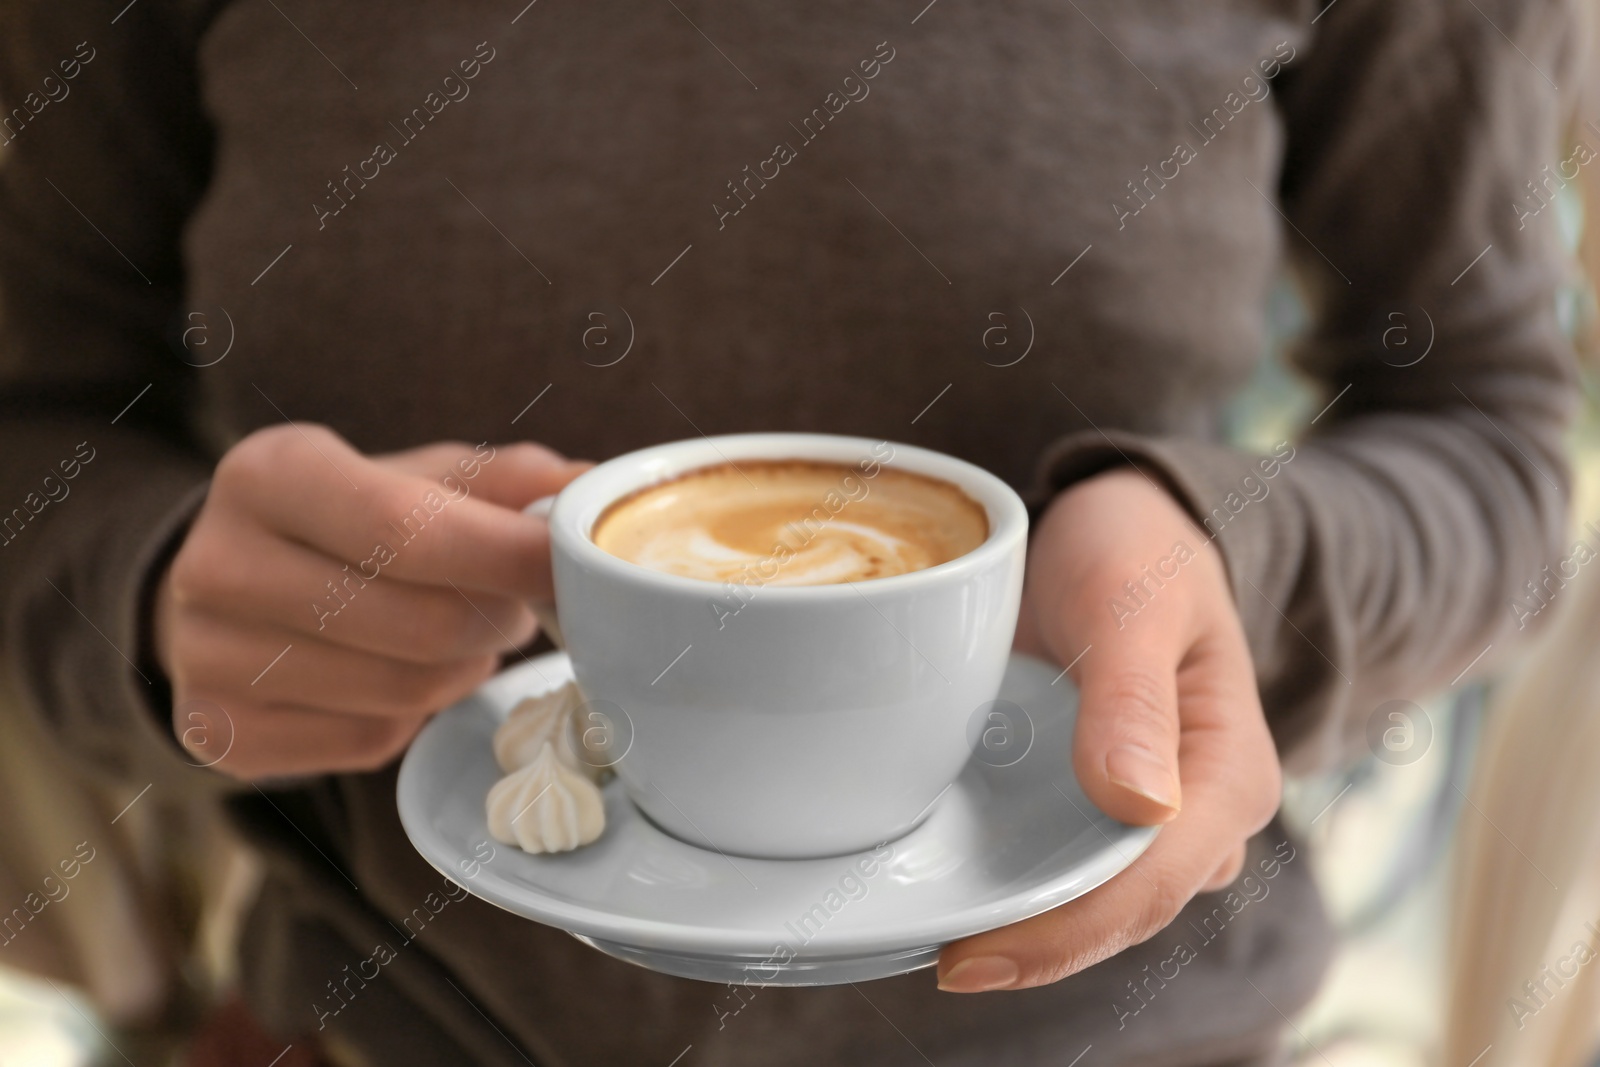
[
  {"x": 1128, "y": 909},
  {"x": 324, "y": 603},
  {"x": 251, "y": 742},
  {"x": 266, "y": 666},
  {"x": 1217, "y": 818},
  {"x": 376, "y": 517},
  {"x": 511, "y": 475},
  {"x": 237, "y": 570}
]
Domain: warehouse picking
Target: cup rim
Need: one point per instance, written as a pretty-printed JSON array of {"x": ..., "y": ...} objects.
[{"x": 582, "y": 501}]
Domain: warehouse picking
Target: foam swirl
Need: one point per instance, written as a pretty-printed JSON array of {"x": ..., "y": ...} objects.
[{"x": 793, "y": 523}]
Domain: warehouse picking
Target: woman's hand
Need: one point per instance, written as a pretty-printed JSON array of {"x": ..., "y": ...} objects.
[
  {"x": 1170, "y": 727},
  {"x": 328, "y": 602}
]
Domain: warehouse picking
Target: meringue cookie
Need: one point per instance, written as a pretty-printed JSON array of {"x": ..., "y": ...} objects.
[
  {"x": 536, "y": 720},
  {"x": 547, "y": 806}
]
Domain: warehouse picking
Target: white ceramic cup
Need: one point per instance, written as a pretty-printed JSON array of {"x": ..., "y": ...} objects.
[{"x": 792, "y": 721}]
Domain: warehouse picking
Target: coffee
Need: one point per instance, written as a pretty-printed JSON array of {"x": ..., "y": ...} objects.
[{"x": 793, "y": 522}]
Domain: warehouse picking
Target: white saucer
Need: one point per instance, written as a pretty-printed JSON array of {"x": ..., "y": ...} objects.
[{"x": 1014, "y": 836}]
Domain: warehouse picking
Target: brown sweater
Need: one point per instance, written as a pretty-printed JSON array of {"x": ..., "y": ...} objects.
[{"x": 405, "y": 215}]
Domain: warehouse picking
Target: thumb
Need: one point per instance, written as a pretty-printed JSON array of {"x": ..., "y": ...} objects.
[{"x": 1125, "y": 748}]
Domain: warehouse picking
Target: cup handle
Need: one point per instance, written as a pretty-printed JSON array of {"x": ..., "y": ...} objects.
[{"x": 544, "y": 611}]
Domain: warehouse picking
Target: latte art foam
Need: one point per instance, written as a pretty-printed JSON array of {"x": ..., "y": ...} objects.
[{"x": 793, "y": 523}]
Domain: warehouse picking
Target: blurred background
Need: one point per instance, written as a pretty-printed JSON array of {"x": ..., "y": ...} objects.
[{"x": 1461, "y": 859}]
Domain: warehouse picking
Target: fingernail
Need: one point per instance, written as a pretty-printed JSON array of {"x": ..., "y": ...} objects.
[
  {"x": 979, "y": 975},
  {"x": 1136, "y": 768}
]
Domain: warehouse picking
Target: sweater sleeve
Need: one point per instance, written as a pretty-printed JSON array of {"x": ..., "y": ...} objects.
[
  {"x": 1394, "y": 546},
  {"x": 104, "y": 152}
]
